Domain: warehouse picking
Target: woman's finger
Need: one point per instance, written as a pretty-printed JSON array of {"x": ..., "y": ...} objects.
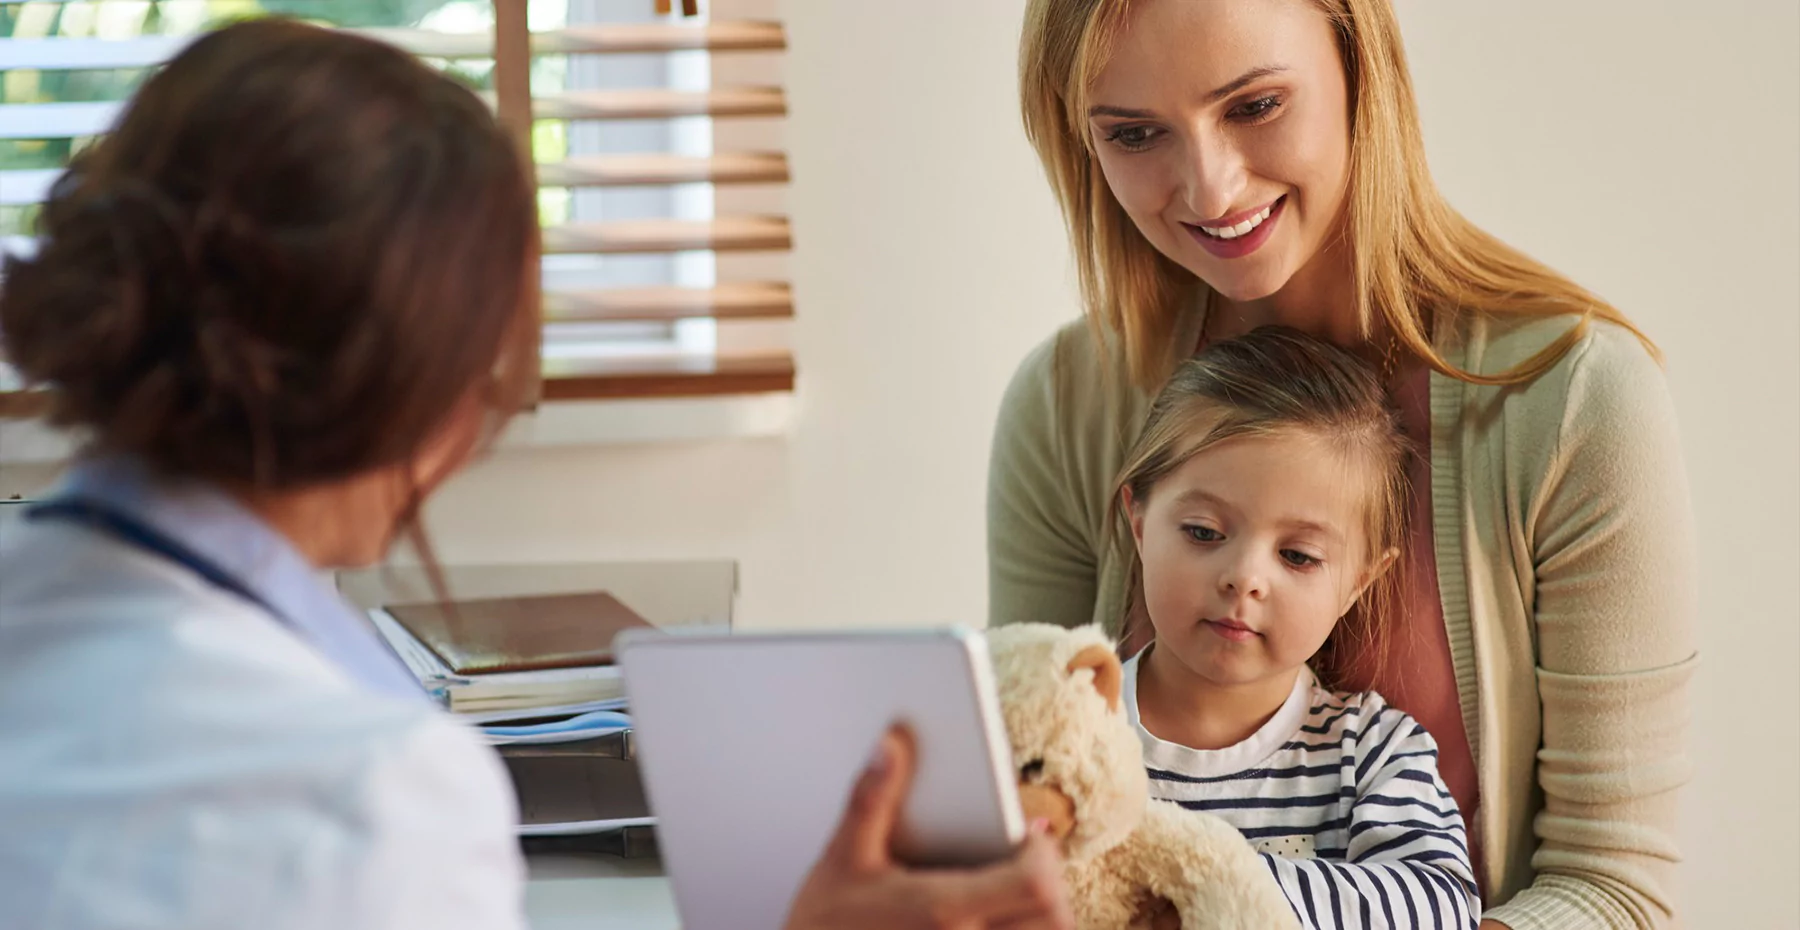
[
  {"x": 867, "y": 827},
  {"x": 1025, "y": 892}
]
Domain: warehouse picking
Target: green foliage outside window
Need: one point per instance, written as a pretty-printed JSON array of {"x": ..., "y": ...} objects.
[{"x": 119, "y": 19}]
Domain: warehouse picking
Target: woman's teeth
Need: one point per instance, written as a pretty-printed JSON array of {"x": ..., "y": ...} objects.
[{"x": 1232, "y": 232}]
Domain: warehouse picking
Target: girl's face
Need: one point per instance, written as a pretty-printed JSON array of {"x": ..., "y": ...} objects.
[
  {"x": 1223, "y": 130},
  {"x": 1252, "y": 550}
]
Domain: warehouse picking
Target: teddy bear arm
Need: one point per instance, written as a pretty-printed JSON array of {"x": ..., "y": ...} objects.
[
  {"x": 1208, "y": 870},
  {"x": 1103, "y": 896}
]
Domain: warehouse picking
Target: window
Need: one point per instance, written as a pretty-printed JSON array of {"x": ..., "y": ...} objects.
[{"x": 656, "y": 133}]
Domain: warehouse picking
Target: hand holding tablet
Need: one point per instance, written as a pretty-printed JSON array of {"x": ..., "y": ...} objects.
[
  {"x": 750, "y": 745},
  {"x": 857, "y": 883}
]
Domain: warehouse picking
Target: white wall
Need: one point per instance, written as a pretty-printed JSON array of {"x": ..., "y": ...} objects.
[
  {"x": 1653, "y": 151},
  {"x": 929, "y": 258},
  {"x": 1650, "y": 149}
]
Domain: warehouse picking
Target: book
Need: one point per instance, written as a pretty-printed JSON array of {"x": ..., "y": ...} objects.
[
  {"x": 519, "y": 634},
  {"x": 495, "y": 695},
  {"x": 516, "y": 691}
]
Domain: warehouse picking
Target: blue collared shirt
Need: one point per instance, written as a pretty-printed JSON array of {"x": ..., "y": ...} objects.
[
  {"x": 233, "y": 747},
  {"x": 218, "y": 529}
]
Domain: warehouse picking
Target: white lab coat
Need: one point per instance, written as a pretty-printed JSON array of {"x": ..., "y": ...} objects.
[{"x": 173, "y": 757}]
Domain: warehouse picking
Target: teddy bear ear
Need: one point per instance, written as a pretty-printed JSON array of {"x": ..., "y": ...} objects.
[{"x": 1108, "y": 674}]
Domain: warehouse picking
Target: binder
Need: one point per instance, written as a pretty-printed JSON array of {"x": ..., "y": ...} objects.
[{"x": 583, "y": 795}]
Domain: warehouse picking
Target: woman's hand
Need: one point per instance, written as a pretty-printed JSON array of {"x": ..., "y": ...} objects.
[{"x": 857, "y": 883}]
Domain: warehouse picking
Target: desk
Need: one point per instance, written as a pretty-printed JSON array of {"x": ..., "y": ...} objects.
[
  {"x": 595, "y": 892},
  {"x": 575, "y": 891},
  {"x": 579, "y": 891}
]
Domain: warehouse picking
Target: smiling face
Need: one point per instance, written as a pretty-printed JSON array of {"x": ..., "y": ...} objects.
[
  {"x": 1222, "y": 128},
  {"x": 1252, "y": 550}
]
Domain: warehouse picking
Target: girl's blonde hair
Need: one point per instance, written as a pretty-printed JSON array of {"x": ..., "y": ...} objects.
[
  {"x": 1415, "y": 258},
  {"x": 1274, "y": 381}
]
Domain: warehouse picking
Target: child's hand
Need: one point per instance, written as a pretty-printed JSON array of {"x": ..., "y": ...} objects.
[{"x": 857, "y": 883}]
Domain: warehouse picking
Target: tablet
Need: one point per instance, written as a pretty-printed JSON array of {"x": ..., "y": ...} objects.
[{"x": 750, "y": 744}]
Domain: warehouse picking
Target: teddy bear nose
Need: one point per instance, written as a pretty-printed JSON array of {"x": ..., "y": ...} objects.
[{"x": 1046, "y": 803}]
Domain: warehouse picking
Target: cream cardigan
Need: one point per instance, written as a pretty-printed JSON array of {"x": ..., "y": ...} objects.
[{"x": 1563, "y": 538}]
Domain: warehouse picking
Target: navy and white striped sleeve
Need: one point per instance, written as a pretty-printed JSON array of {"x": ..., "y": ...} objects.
[{"x": 1407, "y": 862}]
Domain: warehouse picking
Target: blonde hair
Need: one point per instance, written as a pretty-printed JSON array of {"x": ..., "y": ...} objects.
[
  {"x": 1274, "y": 381},
  {"x": 1414, "y": 257}
]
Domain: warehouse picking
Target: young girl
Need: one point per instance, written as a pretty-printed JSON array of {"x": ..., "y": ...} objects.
[{"x": 1265, "y": 498}]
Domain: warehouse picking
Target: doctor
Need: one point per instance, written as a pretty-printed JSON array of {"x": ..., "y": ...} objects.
[{"x": 288, "y": 297}]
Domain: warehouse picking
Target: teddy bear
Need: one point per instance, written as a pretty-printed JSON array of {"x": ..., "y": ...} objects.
[{"x": 1133, "y": 862}]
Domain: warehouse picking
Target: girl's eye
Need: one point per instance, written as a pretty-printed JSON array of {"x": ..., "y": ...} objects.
[
  {"x": 1203, "y": 534},
  {"x": 1298, "y": 559},
  {"x": 1256, "y": 110},
  {"x": 1132, "y": 138}
]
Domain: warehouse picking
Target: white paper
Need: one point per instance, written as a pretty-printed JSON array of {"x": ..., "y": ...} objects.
[
  {"x": 424, "y": 663},
  {"x": 584, "y": 826}
]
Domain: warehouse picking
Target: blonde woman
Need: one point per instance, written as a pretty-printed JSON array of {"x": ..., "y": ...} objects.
[{"x": 1236, "y": 163}]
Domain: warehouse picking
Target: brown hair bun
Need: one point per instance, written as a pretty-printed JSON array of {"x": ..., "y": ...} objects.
[{"x": 294, "y": 256}]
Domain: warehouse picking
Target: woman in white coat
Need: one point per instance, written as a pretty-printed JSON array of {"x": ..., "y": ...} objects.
[{"x": 288, "y": 296}]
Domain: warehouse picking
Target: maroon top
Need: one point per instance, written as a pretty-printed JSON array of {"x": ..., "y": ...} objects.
[{"x": 1417, "y": 674}]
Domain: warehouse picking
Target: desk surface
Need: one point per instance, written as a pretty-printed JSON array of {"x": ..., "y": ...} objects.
[{"x": 596, "y": 892}]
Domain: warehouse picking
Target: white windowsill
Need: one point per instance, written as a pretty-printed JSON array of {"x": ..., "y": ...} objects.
[
  {"x": 556, "y": 424},
  {"x": 677, "y": 419}
]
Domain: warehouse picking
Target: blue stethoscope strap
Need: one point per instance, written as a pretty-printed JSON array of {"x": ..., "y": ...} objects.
[
  {"x": 131, "y": 531},
  {"x": 109, "y": 520}
]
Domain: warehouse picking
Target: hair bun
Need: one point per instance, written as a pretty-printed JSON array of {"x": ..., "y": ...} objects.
[
  {"x": 133, "y": 318},
  {"x": 244, "y": 284}
]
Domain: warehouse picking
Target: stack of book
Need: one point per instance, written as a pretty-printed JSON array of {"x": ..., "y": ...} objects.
[
  {"x": 511, "y": 654},
  {"x": 537, "y": 675}
]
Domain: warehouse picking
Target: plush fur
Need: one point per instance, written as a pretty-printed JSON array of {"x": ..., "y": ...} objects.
[{"x": 1130, "y": 859}]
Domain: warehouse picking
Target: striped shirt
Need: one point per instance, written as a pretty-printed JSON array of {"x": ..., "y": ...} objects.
[{"x": 1341, "y": 795}]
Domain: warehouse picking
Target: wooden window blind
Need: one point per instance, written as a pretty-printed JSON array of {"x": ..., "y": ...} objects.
[{"x": 655, "y": 128}]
